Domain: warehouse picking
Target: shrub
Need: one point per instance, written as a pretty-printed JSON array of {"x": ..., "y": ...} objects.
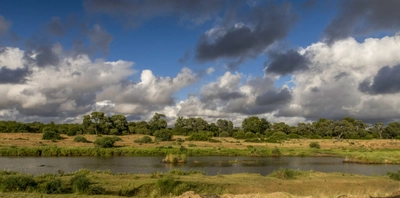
[
  {"x": 249, "y": 135},
  {"x": 394, "y": 176},
  {"x": 71, "y": 133},
  {"x": 96, "y": 190},
  {"x": 18, "y": 183},
  {"x": 145, "y": 139},
  {"x": 51, "y": 135},
  {"x": 80, "y": 183},
  {"x": 276, "y": 137},
  {"x": 116, "y": 138},
  {"x": 166, "y": 185},
  {"x": 239, "y": 135},
  {"x": 53, "y": 186},
  {"x": 199, "y": 137},
  {"x": 293, "y": 136},
  {"x": 104, "y": 142},
  {"x": 284, "y": 173},
  {"x": 80, "y": 139},
  {"x": 163, "y": 135},
  {"x": 276, "y": 152},
  {"x": 180, "y": 140},
  {"x": 315, "y": 145},
  {"x": 224, "y": 134}
]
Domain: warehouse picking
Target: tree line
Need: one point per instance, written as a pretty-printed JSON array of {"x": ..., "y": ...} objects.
[{"x": 252, "y": 127}]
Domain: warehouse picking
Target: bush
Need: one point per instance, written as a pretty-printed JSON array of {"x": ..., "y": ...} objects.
[
  {"x": 145, "y": 139},
  {"x": 293, "y": 136},
  {"x": 71, "y": 133},
  {"x": 276, "y": 152},
  {"x": 163, "y": 135},
  {"x": 80, "y": 139},
  {"x": 224, "y": 134},
  {"x": 394, "y": 176},
  {"x": 239, "y": 135},
  {"x": 105, "y": 142},
  {"x": 276, "y": 137},
  {"x": 80, "y": 183},
  {"x": 18, "y": 183},
  {"x": 96, "y": 190},
  {"x": 166, "y": 185},
  {"x": 51, "y": 135},
  {"x": 250, "y": 135},
  {"x": 284, "y": 173},
  {"x": 53, "y": 186},
  {"x": 116, "y": 138},
  {"x": 199, "y": 137},
  {"x": 315, "y": 145}
]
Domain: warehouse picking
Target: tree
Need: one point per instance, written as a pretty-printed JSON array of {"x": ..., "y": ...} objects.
[
  {"x": 119, "y": 124},
  {"x": 392, "y": 130},
  {"x": 252, "y": 124},
  {"x": 378, "y": 128},
  {"x": 179, "y": 126},
  {"x": 157, "y": 122},
  {"x": 98, "y": 121},
  {"x": 224, "y": 126}
]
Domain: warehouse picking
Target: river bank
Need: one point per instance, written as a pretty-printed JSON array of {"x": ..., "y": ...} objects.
[
  {"x": 352, "y": 151},
  {"x": 288, "y": 182}
]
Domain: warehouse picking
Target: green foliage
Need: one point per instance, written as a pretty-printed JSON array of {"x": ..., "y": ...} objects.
[
  {"x": 80, "y": 139},
  {"x": 315, "y": 145},
  {"x": 284, "y": 173},
  {"x": 51, "y": 135},
  {"x": 276, "y": 152},
  {"x": 239, "y": 135},
  {"x": 71, "y": 133},
  {"x": 54, "y": 186},
  {"x": 96, "y": 190},
  {"x": 166, "y": 185},
  {"x": 105, "y": 142},
  {"x": 199, "y": 137},
  {"x": 249, "y": 135},
  {"x": 276, "y": 137},
  {"x": 144, "y": 140},
  {"x": 80, "y": 183},
  {"x": 143, "y": 131},
  {"x": 224, "y": 134},
  {"x": 394, "y": 175},
  {"x": 163, "y": 135},
  {"x": 18, "y": 183}
]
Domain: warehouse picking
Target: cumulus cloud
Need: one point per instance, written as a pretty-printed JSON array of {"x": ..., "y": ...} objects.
[
  {"x": 132, "y": 12},
  {"x": 150, "y": 93},
  {"x": 13, "y": 75},
  {"x": 386, "y": 81},
  {"x": 263, "y": 26},
  {"x": 330, "y": 88},
  {"x": 359, "y": 17},
  {"x": 286, "y": 63}
]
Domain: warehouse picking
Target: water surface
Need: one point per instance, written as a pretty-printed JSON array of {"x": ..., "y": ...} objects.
[{"x": 210, "y": 165}]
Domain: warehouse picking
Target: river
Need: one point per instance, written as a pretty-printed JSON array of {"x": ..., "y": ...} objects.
[{"x": 210, "y": 165}]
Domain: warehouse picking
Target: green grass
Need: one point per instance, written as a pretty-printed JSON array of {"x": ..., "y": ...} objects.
[{"x": 105, "y": 184}]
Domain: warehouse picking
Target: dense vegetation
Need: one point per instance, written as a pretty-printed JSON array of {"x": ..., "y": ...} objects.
[{"x": 253, "y": 129}]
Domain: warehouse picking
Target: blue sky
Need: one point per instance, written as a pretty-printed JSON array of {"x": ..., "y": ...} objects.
[{"x": 291, "y": 61}]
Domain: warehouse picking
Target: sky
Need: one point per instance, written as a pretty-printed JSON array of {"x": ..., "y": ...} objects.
[{"x": 287, "y": 61}]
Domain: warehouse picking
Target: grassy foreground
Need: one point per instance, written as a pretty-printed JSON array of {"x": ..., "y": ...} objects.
[
  {"x": 282, "y": 183},
  {"x": 356, "y": 151}
]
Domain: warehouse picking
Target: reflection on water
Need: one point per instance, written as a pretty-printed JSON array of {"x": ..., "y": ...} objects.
[{"x": 210, "y": 165}]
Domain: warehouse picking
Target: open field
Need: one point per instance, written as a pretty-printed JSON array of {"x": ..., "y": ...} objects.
[
  {"x": 303, "y": 184},
  {"x": 360, "y": 151}
]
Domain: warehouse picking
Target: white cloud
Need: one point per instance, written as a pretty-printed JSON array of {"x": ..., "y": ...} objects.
[{"x": 330, "y": 87}]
